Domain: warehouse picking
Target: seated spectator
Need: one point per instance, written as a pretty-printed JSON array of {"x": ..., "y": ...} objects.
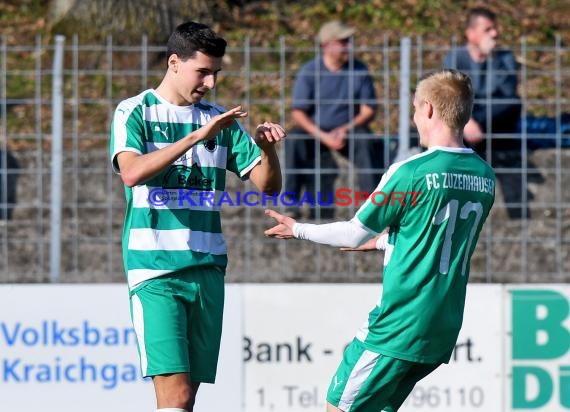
[
  {"x": 334, "y": 103},
  {"x": 494, "y": 76},
  {"x": 8, "y": 177}
]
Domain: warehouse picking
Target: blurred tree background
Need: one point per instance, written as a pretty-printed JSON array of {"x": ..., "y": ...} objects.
[
  {"x": 264, "y": 21},
  {"x": 264, "y": 24}
]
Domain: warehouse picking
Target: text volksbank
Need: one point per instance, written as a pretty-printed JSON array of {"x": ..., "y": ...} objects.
[
  {"x": 74, "y": 367},
  {"x": 53, "y": 333}
]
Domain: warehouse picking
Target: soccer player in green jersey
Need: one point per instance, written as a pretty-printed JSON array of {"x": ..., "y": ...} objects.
[
  {"x": 438, "y": 202},
  {"x": 172, "y": 151}
]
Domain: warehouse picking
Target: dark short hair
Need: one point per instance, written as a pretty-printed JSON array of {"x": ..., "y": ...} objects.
[
  {"x": 477, "y": 12},
  {"x": 191, "y": 37}
]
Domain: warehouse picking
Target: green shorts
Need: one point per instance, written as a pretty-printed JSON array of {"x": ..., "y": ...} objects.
[
  {"x": 178, "y": 322},
  {"x": 366, "y": 381}
]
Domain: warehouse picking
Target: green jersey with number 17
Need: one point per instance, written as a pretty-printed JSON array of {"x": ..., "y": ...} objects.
[{"x": 435, "y": 204}]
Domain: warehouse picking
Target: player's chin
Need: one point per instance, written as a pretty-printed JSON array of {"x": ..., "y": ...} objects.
[{"x": 197, "y": 96}]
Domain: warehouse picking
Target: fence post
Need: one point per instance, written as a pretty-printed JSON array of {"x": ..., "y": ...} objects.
[
  {"x": 404, "y": 117},
  {"x": 56, "y": 160}
]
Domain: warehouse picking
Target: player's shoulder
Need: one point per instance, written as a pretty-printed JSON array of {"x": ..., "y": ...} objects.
[
  {"x": 209, "y": 109},
  {"x": 440, "y": 155},
  {"x": 409, "y": 165},
  {"x": 128, "y": 105},
  {"x": 415, "y": 159},
  {"x": 484, "y": 166}
]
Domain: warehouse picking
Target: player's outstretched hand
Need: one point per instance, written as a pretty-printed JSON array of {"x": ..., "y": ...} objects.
[
  {"x": 284, "y": 227},
  {"x": 221, "y": 121},
  {"x": 268, "y": 133}
]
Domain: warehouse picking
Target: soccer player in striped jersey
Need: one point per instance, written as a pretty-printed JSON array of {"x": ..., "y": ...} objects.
[
  {"x": 172, "y": 151},
  {"x": 439, "y": 201}
]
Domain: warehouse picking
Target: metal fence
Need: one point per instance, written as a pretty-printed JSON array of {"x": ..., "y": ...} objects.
[{"x": 73, "y": 234}]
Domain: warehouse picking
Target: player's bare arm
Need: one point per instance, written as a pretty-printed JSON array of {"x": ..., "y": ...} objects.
[
  {"x": 136, "y": 168},
  {"x": 266, "y": 175}
]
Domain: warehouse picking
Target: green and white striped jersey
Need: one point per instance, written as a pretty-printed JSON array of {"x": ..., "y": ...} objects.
[
  {"x": 435, "y": 204},
  {"x": 172, "y": 221}
]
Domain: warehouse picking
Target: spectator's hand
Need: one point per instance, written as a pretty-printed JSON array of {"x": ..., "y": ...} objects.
[
  {"x": 219, "y": 122},
  {"x": 284, "y": 228},
  {"x": 332, "y": 140},
  {"x": 341, "y": 132},
  {"x": 267, "y": 134},
  {"x": 472, "y": 133}
]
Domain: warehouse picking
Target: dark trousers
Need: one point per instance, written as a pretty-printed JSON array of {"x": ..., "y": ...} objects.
[
  {"x": 301, "y": 151},
  {"x": 8, "y": 180}
]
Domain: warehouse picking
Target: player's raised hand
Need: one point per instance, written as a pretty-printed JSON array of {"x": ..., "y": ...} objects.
[
  {"x": 284, "y": 227},
  {"x": 221, "y": 121},
  {"x": 268, "y": 134}
]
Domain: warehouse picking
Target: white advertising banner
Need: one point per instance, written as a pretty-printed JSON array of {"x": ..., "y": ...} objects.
[
  {"x": 72, "y": 347},
  {"x": 538, "y": 353},
  {"x": 64, "y": 346},
  {"x": 295, "y": 336}
]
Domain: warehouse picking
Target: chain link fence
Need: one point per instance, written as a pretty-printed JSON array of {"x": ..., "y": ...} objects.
[{"x": 530, "y": 247}]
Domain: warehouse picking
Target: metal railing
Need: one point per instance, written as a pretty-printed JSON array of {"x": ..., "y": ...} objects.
[{"x": 528, "y": 248}]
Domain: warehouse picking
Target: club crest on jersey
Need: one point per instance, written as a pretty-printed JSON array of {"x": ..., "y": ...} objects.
[{"x": 210, "y": 145}]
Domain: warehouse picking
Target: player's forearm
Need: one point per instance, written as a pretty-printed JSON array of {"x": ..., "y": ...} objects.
[
  {"x": 267, "y": 174},
  {"x": 338, "y": 234},
  {"x": 136, "y": 169}
]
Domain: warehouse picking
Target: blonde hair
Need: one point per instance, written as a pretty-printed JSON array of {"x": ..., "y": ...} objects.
[{"x": 451, "y": 94}]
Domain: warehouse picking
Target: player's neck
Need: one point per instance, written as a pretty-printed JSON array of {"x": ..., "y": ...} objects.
[
  {"x": 443, "y": 138},
  {"x": 169, "y": 94}
]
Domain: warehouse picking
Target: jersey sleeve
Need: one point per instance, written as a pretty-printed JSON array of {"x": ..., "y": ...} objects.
[
  {"x": 243, "y": 153},
  {"x": 347, "y": 234},
  {"x": 127, "y": 133},
  {"x": 385, "y": 207}
]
